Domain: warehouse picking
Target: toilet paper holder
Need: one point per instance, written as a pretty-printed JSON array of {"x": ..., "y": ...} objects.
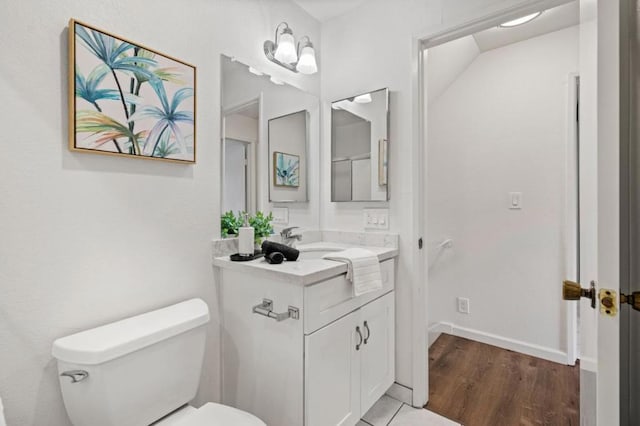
[{"x": 266, "y": 309}]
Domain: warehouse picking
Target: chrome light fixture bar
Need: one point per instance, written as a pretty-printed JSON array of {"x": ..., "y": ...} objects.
[{"x": 284, "y": 52}]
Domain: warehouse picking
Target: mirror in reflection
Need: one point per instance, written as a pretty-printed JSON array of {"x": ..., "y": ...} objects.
[
  {"x": 359, "y": 147},
  {"x": 288, "y": 154}
]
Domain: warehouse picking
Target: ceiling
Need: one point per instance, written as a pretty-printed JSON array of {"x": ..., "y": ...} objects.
[
  {"x": 323, "y": 10},
  {"x": 551, "y": 20}
]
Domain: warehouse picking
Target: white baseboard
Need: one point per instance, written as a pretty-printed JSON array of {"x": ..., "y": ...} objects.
[
  {"x": 499, "y": 341},
  {"x": 401, "y": 393},
  {"x": 589, "y": 364}
]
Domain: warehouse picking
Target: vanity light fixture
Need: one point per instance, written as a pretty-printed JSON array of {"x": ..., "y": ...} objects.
[
  {"x": 284, "y": 52},
  {"x": 285, "y": 45},
  {"x": 307, "y": 63},
  {"x": 520, "y": 21}
]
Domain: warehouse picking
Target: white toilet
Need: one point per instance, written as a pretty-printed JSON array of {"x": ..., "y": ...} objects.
[{"x": 141, "y": 370}]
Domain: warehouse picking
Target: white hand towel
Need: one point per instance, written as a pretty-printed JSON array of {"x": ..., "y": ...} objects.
[
  {"x": 363, "y": 269},
  {"x": 2, "y": 420}
]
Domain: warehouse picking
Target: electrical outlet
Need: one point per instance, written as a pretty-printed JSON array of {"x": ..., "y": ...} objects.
[{"x": 463, "y": 305}]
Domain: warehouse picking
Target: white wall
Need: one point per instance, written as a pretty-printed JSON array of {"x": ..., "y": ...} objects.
[
  {"x": 502, "y": 127},
  {"x": 367, "y": 49},
  {"x": 88, "y": 239},
  {"x": 241, "y": 128},
  {"x": 452, "y": 58}
]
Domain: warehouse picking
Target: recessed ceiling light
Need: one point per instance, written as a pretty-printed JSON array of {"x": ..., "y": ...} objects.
[
  {"x": 363, "y": 99},
  {"x": 340, "y": 104},
  {"x": 520, "y": 21}
]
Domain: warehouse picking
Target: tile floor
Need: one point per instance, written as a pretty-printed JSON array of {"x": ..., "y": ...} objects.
[{"x": 391, "y": 412}]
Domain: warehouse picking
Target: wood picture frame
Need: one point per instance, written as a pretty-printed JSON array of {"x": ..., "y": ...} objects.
[
  {"x": 128, "y": 100},
  {"x": 383, "y": 160},
  {"x": 286, "y": 170}
]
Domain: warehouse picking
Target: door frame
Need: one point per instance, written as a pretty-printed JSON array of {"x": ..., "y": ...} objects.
[
  {"x": 629, "y": 235},
  {"x": 572, "y": 211},
  {"x": 420, "y": 42}
]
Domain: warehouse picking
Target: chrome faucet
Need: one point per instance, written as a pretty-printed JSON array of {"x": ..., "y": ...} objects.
[{"x": 288, "y": 237}]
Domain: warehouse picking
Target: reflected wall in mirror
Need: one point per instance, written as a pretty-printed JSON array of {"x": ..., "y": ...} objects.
[
  {"x": 359, "y": 147},
  {"x": 260, "y": 116},
  {"x": 288, "y": 137}
]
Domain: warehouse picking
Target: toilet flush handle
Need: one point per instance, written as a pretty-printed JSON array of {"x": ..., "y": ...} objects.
[{"x": 76, "y": 375}]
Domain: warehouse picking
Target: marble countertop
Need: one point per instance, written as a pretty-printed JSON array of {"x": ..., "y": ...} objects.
[{"x": 303, "y": 271}]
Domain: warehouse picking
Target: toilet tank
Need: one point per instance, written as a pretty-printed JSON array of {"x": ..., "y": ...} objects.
[{"x": 139, "y": 369}]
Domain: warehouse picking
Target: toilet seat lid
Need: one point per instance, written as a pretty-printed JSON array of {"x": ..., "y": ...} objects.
[{"x": 212, "y": 414}]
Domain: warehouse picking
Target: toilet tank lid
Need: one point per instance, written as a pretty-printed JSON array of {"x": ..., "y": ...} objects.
[{"x": 114, "y": 340}]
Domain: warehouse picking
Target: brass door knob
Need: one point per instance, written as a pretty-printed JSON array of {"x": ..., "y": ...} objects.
[
  {"x": 573, "y": 291},
  {"x": 631, "y": 299}
]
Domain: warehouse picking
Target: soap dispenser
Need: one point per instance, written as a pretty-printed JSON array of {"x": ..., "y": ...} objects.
[{"x": 246, "y": 238}]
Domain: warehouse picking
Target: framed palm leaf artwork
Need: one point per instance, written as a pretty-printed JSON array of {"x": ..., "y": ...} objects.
[
  {"x": 129, "y": 100},
  {"x": 286, "y": 169}
]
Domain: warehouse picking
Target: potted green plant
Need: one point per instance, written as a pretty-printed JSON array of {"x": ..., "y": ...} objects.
[
  {"x": 229, "y": 224},
  {"x": 261, "y": 224}
]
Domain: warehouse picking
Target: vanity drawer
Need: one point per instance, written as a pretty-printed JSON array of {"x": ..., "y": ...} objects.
[{"x": 329, "y": 300}]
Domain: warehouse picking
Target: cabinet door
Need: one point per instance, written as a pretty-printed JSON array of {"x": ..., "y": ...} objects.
[
  {"x": 332, "y": 374},
  {"x": 378, "y": 353}
]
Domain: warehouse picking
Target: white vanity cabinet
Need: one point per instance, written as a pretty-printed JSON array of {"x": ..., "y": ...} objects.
[
  {"x": 325, "y": 366},
  {"x": 349, "y": 364}
]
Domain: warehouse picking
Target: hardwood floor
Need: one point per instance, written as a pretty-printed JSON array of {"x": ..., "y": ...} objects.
[{"x": 482, "y": 385}]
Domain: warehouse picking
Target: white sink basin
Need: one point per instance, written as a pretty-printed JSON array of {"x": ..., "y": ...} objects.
[{"x": 307, "y": 253}]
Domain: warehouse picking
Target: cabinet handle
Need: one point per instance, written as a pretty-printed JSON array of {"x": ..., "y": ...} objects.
[
  {"x": 360, "y": 336},
  {"x": 366, "y": 327}
]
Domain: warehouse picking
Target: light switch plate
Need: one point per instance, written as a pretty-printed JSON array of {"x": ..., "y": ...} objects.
[
  {"x": 280, "y": 215},
  {"x": 515, "y": 200},
  {"x": 376, "y": 219}
]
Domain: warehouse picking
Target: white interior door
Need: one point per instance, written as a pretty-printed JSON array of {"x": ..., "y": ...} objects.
[
  {"x": 235, "y": 183},
  {"x": 600, "y": 206}
]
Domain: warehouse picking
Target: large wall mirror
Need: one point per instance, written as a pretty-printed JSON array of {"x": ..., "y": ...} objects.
[
  {"x": 360, "y": 147},
  {"x": 267, "y": 127}
]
